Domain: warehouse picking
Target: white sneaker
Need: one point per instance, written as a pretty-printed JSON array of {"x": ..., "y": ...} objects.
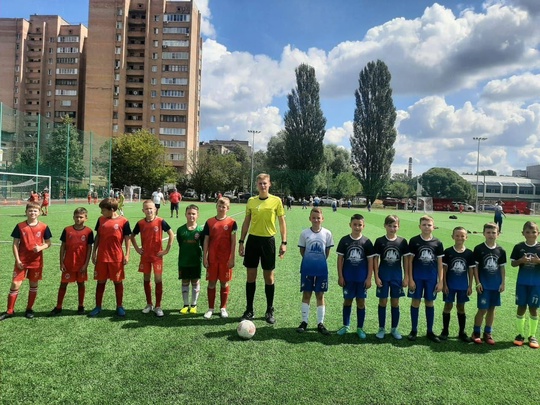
[
  {"x": 208, "y": 314},
  {"x": 147, "y": 309},
  {"x": 380, "y": 333},
  {"x": 224, "y": 313},
  {"x": 159, "y": 312},
  {"x": 396, "y": 334}
]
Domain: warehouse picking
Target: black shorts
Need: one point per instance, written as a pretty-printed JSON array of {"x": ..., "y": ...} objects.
[
  {"x": 189, "y": 273},
  {"x": 261, "y": 248},
  {"x": 174, "y": 206},
  {"x": 158, "y": 206}
]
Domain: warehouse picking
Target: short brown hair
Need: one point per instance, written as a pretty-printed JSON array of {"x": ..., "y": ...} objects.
[
  {"x": 80, "y": 211},
  {"x": 317, "y": 210},
  {"x": 491, "y": 225},
  {"x": 391, "y": 219},
  {"x": 109, "y": 204},
  {"x": 224, "y": 200},
  {"x": 530, "y": 225},
  {"x": 32, "y": 205},
  {"x": 426, "y": 218}
]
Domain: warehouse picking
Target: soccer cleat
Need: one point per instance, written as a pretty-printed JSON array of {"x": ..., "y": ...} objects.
[
  {"x": 322, "y": 329},
  {"x": 208, "y": 314},
  {"x": 147, "y": 309},
  {"x": 533, "y": 342},
  {"x": 120, "y": 311},
  {"x": 80, "y": 310},
  {"x": 433, "y": 337},
  {"x": 184, "y": 310},
  {"x": 248, "y": 315},
  {"x": 224, "y": 313},
  {"x": 488, "y": 339},
  {"x": 193, "y": 309},
  {"x": 6, "y": 315},
  {"x": 29, "y": 314},
  {"x": 444, "y": 335},
  {"x": 302, "y": 327},
  {"x": 361, "y": 334},
  {"x": 94, "y": 312},
  {"x": 269, "y": 316},
  {"x": 55, "y": 311},
  {"x": 158, "y": 311},
  {"x": 395, "y": 334},
  {"x": 380, "y": 334},
  {"x": 344, "y": 329},
  {"x": 412, "y": 335},
  {"x": 476, "y": 338},
  {"x": 518, "y": 341},
  {"x": 464, "y": 337}
]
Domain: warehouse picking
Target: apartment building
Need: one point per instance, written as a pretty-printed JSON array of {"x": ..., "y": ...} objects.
[{"x": 144, "y": 71}]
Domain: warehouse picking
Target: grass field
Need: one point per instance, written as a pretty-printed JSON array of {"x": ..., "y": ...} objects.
[{"x": 186, "y": 359}]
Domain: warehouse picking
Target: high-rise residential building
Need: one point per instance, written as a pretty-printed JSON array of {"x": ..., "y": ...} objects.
[
  {"x": 41, "y": 66},
  {"x": 144, "y": 72}
]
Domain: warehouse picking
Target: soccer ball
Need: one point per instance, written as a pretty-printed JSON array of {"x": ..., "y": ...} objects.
[{"x": 246, "y": 329}]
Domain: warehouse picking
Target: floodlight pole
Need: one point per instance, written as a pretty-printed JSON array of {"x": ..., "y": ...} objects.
[
  {"x": 253, "y": 132},
  {"x": 479, "y": 139}
]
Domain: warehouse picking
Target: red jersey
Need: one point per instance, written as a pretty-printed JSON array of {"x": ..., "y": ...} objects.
[
  {"x": 34, "y": 197},
  {"x": 111, "y": 233},
  {"x": 77, "y": 243},
  {"x": 29, "y": 237},
  {"x": 45, "y": 197},
  {"x": 219, "y": 233},
  {"x": 151, "y": 233},
  {"x": 175, "y": 197}
]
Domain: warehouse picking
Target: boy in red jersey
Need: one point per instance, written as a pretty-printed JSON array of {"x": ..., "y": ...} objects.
[
  {"x": 75, "y": 251},
  {"x": 151, "y": 251},
  {"x": 107, "y": 255},
  {"x": 45, "y": 202},
  {"x": 30, "y": 238},
  {"x": 218, "y": 255}
]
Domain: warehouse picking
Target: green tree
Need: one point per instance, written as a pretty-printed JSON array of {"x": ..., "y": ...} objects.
[
  {"x": 487, "y": 173},
  {"x": 346, "y": 185},
  {"x": 372, "y": 143},
  {"x": 445, "y": 183},
  {"x": 139, "y": 159},
  {"x": 54, "y": 159},
  {"x": 275, "y": 164},
  {"x": 213, "y": 172},
  {"x": 304, "y": 132},
  {"x": 400, "y": 189}
]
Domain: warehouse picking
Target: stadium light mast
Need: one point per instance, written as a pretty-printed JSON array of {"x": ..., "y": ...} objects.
[
  {"x": 478, "y": 139},
  {"x": 252, "y": 132}
]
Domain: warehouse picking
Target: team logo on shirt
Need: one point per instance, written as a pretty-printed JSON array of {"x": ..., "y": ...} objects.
[
  {"x": 315, "y": 248},
  {"x": 116, "y": 227},
  {"x": 67, "y": 276},
  {"x": 156, "y": 229},
  {"x": 226, "y": 227},
  {"x": 391, "y": 255},
  {"x": 459, "y": 266},
  {"x": 197, "y": 236},
  {"x": 426, "y": 256},
  {"x": 38, "y": 234},
  {"x": 490, "y": 264},
  {"x": 355, "y": 255},
  {"x": 83, "y": 238}
]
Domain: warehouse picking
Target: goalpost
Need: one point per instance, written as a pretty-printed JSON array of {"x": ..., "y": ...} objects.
[
  {"x": 425, "y": 204},
  {"x": 132, "y": 193},
  {"x": 17, "y": 186}
]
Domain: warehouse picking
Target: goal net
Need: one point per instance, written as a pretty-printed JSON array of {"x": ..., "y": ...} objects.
[
  {"x": 16, "y": 187},
  {"x": 425, "y": 204},
  {"x": 132, "y": 193},
  {"x": 535, "y": 208}
]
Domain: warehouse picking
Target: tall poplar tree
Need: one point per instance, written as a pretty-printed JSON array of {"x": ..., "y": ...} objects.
[
  {"x": 304, "y": 132},
  {"x": 372, "y": 142}
]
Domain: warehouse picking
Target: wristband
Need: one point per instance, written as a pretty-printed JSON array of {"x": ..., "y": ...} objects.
[
  {"x": 240, "y": 242},
  {"x": 284, "y": 243}
]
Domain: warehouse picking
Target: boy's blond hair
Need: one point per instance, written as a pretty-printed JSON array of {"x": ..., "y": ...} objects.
[
  {"x": 32, "y": 205},
  {"x": 263, "y": 176},
  {"x": 224, "y": 200},
  {"x": 316, "y": 210},
  {"x": 147, "y": 202},
  {"x": 491, "y": 225},
  {"x": 426, "y": 218}
]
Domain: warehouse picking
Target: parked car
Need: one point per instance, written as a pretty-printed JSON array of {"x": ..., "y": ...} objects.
[
  {"x": 230, "y": 195},
  {"x": 466, "y": 207},
  {"x": 487, "y": 207},
  {"x": 391, "y": 202},
  {"x": 327, "y": 200},
  {"x": 243, "y": 197},
  {"x": 190, "y": 193}
]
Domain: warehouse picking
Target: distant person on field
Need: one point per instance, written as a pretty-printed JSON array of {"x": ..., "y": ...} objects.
[
  {"x": 391, "y": 274},
  {"x": 425, "y": 275},
  {"x": 189, "y": 238},
  {"x": 315, "y": 243},
  {"x": 107, "y": 255},
  {"x": 157, "y": 198},
  {"x": 121, "y": 202},
  {"x": 458, "y": 269},
  {"x": 489, "y": 275},
  {"x": 151, "y": 228},
  {"x": 45, "y": 201},
  {"x": 355, "y": 270},
  {"x": 34, "y": 196},
  {"x": 75, "y": 252},
  {"x": 30, "y": 238},
  {"x": 262, "y": 211},
  {"x": 89, "y": 196},
  {"x": 95, "y": 196},
  {"x": 498, "y": 215},
  {"x": 526, "y": 255},
  {"x": 219, "y": 249},
  {"x": 174, "y": 198}
]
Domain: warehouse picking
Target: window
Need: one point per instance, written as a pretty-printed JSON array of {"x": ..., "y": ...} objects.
[
  {"x": 117, "y": 50},
  {"x": 71, "y": 38},
  {"x": 50, "y": 50},
  {"x": 118, "y": 38},
  {"x": 174, "y": 144},
  {"x": 118, "y": 25},
  {"x": 175, "y": 55},
  {"x": 115, "y": 102},
  {"x": 152, "y": 106},
  {"x": 67, "y": 61},
  {"x": 173, "y": 118},
  {"x": 153, "y": 80},
  {"x": 175, "y": 43},
  {"x": 155, "y": 56},
  {"x": 177, "y": 156},
  {"x": 153, "y": 118},
  {"x": 115, "y": 127},
  {"x": 154, "y": 68},
  {"x": 66, "y": 71},
  {"x": 156, "y": 43},
  {"x": 49, "y": 93},
  {"x": 66, "y": 103},
  {"x": 174, "y": 80},
  {"x": 60, "y": 92},
  {"x": 175, "y": 68},
  {"x": 153, "y": 93},
  {"x": 172, "y": 93},
  {"x": 119, "y": 11},
  {"x": 173, "y": 106},
  {"x": 156, "y": 31},
  {"x": 176, "y": 17},
  {"x": 176, "y": 30},
  {"x": 156, "y": 18}
]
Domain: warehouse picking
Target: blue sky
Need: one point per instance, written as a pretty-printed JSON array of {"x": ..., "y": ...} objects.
[{"x": 459, "y": 70}]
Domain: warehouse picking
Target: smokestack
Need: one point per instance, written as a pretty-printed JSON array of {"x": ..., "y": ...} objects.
[{"x": 410, "y": 168}]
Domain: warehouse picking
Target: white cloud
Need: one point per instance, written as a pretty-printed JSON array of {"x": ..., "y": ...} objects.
[{"x": 207, "y": 29}]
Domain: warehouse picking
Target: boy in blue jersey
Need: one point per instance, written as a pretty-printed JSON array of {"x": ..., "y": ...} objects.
[
  {"x": 390, "y": 274},
  {"x": 355, "y": 269},
  {"x": 314, "y": 243},
  {"x": 526, "y": 255},
  {"x": 458, "y": 267},
  {"x": 425, "y": 275},
  {"x": 489, "y": 275}
]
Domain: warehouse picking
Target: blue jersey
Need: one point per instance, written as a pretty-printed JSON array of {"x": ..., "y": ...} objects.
[
  {"x": 529, "y": 273},
  {"x": 355, "y": 253},
  {"x": 457, "y": 265},
  {"x": 490, "y": 262},
  {"x": 425, "y": 254},
  {"x": 390, "y": 254},
  {"x": 315, "y": 245}
]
